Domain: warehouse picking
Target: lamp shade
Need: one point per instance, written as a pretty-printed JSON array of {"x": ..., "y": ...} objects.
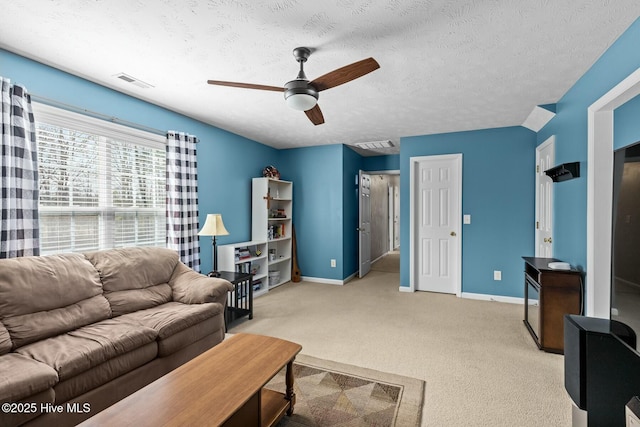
[{"x": 213, "y": 226}]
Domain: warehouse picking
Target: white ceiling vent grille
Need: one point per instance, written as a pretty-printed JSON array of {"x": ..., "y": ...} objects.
[
  {"x": 371, "y": 145},
  {"x": 129, "y": 79}
]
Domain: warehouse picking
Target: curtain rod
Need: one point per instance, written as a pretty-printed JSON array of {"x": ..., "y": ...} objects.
[{"x": 75, "y": 109}]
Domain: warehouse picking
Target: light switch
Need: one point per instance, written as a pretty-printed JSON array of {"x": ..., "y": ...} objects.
[{"x": 466, "y": 219}]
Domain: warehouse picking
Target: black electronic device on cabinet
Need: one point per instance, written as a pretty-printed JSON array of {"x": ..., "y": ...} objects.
[{"x": 564, "y": 172}]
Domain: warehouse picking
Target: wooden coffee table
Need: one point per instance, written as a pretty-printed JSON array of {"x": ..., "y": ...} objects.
[{"x": 223, "y": 386}]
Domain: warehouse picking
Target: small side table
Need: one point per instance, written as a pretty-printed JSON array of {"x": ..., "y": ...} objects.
[{"x": 240, "y": 300}]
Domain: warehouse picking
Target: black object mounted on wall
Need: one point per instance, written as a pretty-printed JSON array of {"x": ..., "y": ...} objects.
[{"x": 564, "y": 172}]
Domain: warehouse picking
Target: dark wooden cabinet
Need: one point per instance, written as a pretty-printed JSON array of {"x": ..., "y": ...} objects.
[{"x": 549, "y": 295}]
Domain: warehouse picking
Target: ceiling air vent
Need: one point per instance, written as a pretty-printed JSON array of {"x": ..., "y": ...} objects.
[
  {"x": 372, "y": 145},
  {"x": 129, "y": 79}
]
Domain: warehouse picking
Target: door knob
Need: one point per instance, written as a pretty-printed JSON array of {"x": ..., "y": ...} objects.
[
  {"x": 453, "y": 233},
  {"x": 547, "y": 240}
]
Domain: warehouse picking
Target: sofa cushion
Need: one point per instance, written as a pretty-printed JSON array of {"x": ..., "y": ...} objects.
[
  {"x": 73, "y": 387},
  {"x": 13, "y": 419},
  {"x": 173, "y": 317},
  {"x": 173, "y": 343},
  {"x": 85, "y": 348},
  {"x": 22, "y": 377},
  {"x": 5, "y": 340},
  {"x": 135, "y": 278},
  {"x": 44, "y": 296},
  {"x": 133, "y": 268},
  {"x": 123, "y": 302},
  {"x": 33, "y": 327}
]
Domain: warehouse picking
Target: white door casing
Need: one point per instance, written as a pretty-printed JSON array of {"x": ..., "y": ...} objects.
[
  {"x": 396, "y": 217},
  {"x": 436, "y": 206},
  {"x": 600, "y": 193},
  {"x": 364, "y": 224},
  {"x": 545, "y": 159},
  {"x": 390, "y": 216}
]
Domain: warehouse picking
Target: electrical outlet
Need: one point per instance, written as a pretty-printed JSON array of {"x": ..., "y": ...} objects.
[
  {"x": 333, "y": 263},
  {"x": 497, "y": 275}
]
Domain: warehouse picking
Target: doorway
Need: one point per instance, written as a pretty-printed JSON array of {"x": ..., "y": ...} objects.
[
  {"x": 435, "y": 259},
  {"x": 600, "y": 196},
  {"x": 383, "y": 229},
  {"x": 545, "y": 159}
]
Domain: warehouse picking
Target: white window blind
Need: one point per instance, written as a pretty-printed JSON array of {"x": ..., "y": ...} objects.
[{"x": 102, "y": 185}]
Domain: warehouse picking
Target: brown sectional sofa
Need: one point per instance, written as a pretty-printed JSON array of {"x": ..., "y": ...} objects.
[{"x": 78, "y": 332}]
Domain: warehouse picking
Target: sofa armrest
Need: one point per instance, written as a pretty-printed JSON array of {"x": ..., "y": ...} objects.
[{"x": 190, "y": 287}]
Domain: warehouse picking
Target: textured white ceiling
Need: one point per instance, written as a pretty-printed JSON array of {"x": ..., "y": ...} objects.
[{"x": 445, "y": 65}]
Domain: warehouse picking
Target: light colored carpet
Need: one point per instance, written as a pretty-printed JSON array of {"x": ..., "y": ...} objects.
[
  {"x": 335, "y": 394},
  {"x": 480, "y": 364},
  {"x": 389, "y": 263}
]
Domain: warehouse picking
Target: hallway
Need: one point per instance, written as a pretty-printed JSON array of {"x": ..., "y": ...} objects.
[{"x": 389, "y": 263}]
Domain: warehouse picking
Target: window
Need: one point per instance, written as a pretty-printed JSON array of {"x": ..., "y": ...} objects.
[{"x": 102, "y": 185}]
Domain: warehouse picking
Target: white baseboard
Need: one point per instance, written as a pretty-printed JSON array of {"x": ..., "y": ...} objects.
[
  {"x": 350, "y": 278},
  {"x": 379, "y": 258},
  {"x": 328, "y": 281},
  {"x": 498, "y": 298},
  {"x": 482, "y": 297}
]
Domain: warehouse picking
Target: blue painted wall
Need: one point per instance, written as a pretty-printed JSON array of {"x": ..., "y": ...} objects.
[
  {"x": 498, "y": 183},
  {"x": 381, "y": 163},
  {"x": 317, "y": 207},
  {"x": 226, "y": 161},
  {"x": 570, "y": 128},
  {"x": 626, "y": 124}
]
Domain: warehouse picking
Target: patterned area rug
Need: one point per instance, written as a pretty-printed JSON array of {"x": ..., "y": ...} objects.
[{"x": 334, "y": 394}]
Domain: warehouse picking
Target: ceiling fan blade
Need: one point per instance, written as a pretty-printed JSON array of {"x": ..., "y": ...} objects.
[
  {"x": 245, "y": 85},
  {"x": 345, "y": 74},
  {"x": 315, "y": 115}
]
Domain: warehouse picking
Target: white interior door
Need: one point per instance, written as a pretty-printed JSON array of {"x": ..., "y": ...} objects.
[
  {"x": 364, "y": 227},
  {"x": 437, "y": 212},
  {"x": 545, "y": 159},
  {"x": 396, "y": 217},
  {"x": 391, "y": 217}
]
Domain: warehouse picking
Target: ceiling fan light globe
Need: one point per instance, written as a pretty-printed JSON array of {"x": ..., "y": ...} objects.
[
  {"x": 299, "y": 95},
  {"x": 301, "y": 101}
]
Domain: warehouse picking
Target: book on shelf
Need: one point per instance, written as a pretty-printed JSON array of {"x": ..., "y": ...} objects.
[
  {"x": 243, "y": 253},
  {"x": 276, "y": 231},
  {"x": 244, "y": 267},
  {"x": 278, "y": 213}
]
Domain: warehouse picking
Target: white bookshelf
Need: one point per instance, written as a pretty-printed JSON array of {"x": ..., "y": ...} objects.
[
  {"x": 271, "y": 222},
  {"x": 229, "y": 259}
]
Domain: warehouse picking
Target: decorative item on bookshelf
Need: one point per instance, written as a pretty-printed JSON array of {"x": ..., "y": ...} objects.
[{"x": 270, "y": 172}]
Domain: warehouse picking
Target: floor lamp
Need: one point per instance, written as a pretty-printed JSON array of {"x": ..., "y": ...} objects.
[{"x": 214, "y": 226}]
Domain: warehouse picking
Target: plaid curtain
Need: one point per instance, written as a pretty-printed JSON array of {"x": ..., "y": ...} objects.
[
  {"x": 18, "y": 175},
  {"x": 182, "y": 198}
]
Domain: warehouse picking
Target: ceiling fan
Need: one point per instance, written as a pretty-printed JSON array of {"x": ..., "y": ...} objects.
[{"x": 302, "y": 94}]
